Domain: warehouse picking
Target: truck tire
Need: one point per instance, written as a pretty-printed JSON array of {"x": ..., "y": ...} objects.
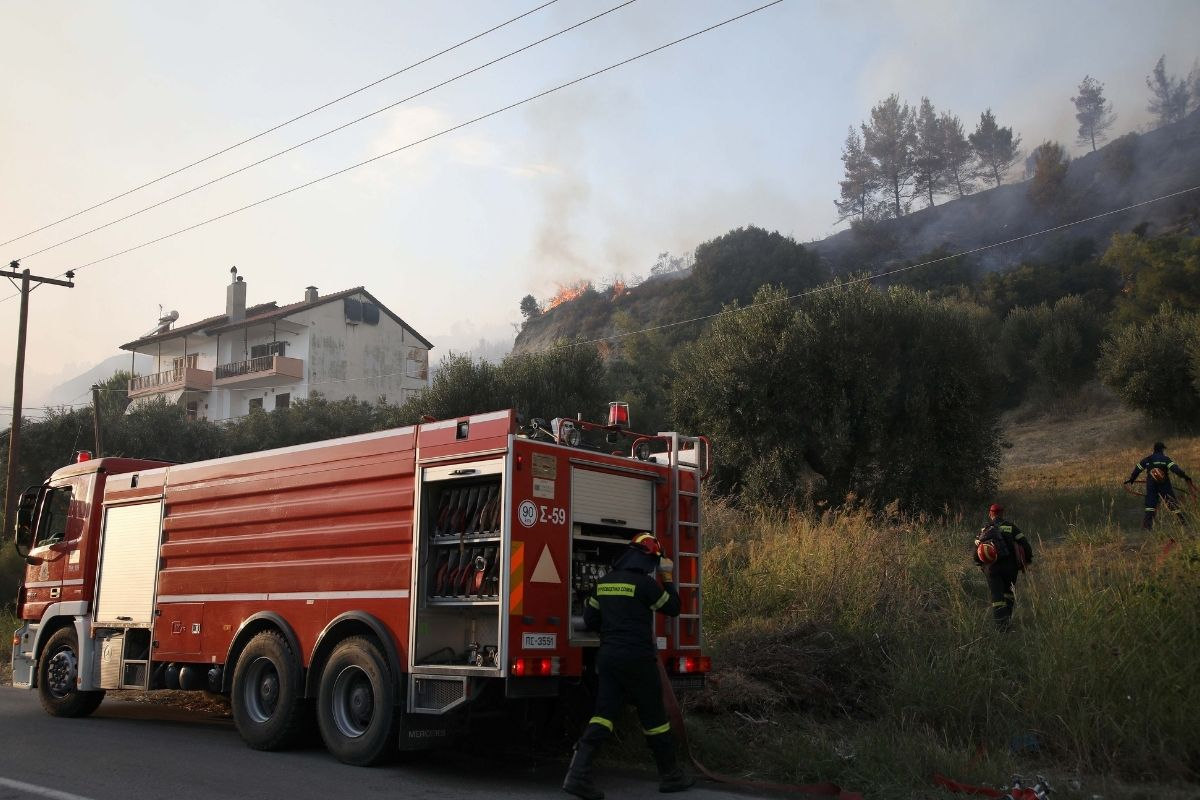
[
  {"x": 267, "y": 698},
  {"x": 356, "y": 704},
  {"x": 57, "y": 669}
]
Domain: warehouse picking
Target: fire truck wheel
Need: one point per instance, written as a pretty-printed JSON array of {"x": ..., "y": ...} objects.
[
  {"x": 356, "y": 704},
  {"x": 57, "y": 669},
  {"x": 267, "y": 688}
]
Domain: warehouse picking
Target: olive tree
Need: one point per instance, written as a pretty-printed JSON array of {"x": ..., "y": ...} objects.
[{"x": 886, "y": 395}]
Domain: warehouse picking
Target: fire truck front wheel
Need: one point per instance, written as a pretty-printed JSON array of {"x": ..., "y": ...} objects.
[
  {"x": 268, "y": 707},
  {"x": 57, "y": 670},
  {"x": 356, "y": 704}
]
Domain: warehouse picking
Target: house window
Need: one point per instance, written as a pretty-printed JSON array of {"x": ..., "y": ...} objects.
[
  {"x": 255, "y": 404},
  {"x": 283, "y": 400},
  {"x": 184, "y": 362},
  {"x": 268, "y": 349},
  {"x": 192, "y": 409}
]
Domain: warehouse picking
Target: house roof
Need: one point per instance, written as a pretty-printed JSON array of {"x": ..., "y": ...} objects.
[{"x": 265, "y": 312}]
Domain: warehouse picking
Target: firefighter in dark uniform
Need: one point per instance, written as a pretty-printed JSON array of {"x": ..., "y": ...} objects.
[
  {"x": 622, "y": 610},
  {"x": 1158, "y": 467},
  {"x": 1003, "y": 551}
]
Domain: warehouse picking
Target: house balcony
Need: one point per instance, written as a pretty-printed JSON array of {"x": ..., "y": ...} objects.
[
  {"x": 173, "y": 380},
  {"x": 262, "y": 371}
]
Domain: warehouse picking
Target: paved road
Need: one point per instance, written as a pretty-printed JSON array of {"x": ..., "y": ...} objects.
[{"x": 132, "y": 750}]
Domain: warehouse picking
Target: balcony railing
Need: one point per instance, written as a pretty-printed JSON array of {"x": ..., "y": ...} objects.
[
  {"x": 264, "y": 370},
  {"x": 188, "y": 378}
]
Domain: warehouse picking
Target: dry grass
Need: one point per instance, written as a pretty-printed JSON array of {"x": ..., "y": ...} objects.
[{"x": 856, "y": 648}]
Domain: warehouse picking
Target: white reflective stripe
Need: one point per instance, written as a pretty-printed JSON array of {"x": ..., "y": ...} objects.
[
  {"x": 368, "y": 594},
  {"x": 40, "y": 791},
  {"x": 42, "y": 584}
]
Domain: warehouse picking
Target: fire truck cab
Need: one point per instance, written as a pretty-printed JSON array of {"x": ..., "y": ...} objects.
[{"x": 397, "y": 581}]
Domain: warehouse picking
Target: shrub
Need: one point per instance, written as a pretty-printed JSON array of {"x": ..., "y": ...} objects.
[
  {"x": 886, "y": 395},
  {"x": 1147, "y": 365}
]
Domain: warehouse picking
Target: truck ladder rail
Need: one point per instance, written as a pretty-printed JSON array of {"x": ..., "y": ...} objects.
[{"x": 685, "y": 540}]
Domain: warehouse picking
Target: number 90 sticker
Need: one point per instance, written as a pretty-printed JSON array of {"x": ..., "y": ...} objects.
[
  {"x": 527, "y": 513},
  {"x": 530, "y": 514}
]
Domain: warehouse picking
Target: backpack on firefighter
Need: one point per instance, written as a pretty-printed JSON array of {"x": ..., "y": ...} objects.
[{"x": 998, "y": 543}]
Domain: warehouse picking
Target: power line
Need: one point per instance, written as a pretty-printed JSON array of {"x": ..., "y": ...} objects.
[
  {"x": 329, "y": 132},
  {"x": 874, "y": 276},
  {"x": 443, "y": 132},
  {"x": 284, "y": 124}
]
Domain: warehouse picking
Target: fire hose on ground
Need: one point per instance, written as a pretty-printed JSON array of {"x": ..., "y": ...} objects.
[{"x": 676, "y": 717}]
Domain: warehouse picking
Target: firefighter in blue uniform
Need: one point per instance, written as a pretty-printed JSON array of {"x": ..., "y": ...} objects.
[
  {"x": 622, "y": 610},
  {"x": 1158, "y": 467},
  {"x": 1010, "y": 551}
]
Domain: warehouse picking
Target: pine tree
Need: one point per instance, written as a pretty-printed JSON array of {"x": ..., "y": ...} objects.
[
  {"x": 929, "y": 156},
  {"x": 996, "y": 148},
  {"x": 890, "y": 141},
  {"x": 1093, "y": 112},
  {"x": 1169, "y": 95},
  {"x": 860, "y": 183},
  {"x": 957, "y": 154}
]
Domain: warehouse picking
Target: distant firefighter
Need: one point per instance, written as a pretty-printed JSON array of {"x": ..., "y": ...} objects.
[
  {"x": 1158, "y": 467},
  {"x": 1003, "y": 551}
]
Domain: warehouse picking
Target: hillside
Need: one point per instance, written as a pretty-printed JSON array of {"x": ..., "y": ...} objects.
[{"x": 1128, "y": 170}]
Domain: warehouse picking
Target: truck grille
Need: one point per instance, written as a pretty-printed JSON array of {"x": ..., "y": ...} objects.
[{"x": 437, "y": 695}]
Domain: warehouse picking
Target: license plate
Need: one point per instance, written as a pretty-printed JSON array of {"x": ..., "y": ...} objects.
[{"x": 539, "y": 641}]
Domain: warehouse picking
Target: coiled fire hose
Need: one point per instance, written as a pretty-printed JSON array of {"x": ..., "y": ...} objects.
[{"x": 676, "y": 717}]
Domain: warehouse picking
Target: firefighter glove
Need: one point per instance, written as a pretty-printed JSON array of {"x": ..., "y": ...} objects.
[{"x": 666, "y": 568}]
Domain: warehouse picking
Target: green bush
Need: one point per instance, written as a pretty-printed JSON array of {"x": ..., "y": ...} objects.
[
  {"x": 884, "y": 395},
  {"x": 1152, "y": 366},
  {"x": 1049, "y": 352}
]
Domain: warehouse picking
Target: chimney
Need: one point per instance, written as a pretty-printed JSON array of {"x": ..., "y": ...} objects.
[
  {"x": 310, "y": 294},
  {"x": 235, "y": 298}
]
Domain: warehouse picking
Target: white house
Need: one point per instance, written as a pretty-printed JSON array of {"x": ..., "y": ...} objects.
[{"x": 268, "y": 356}]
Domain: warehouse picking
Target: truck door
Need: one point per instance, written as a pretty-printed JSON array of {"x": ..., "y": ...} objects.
[
  {"x": 57, "y": 545},
  {"x": 607, "y": 510}
]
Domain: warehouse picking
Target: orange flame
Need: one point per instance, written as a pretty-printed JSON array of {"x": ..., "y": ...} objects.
[
  {"x": 619, "y": 288},
  {"x": 567, "y": 293}
]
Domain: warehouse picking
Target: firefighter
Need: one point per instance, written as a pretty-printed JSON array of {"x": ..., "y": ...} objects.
[
  {"x": 627, "y": 663},
  {"x": 1158, "y": 466},
  {"x": 1003, "y": 551}
]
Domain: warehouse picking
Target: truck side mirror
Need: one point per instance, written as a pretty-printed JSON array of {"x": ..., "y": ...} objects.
[{"x": 26, "y": 513}]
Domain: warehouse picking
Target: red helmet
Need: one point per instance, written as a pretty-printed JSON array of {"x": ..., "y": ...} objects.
[
  {"x": 646, "y": 543},
  {"x": 986, "y": 552},
  {"x": 996, "y": 509}
]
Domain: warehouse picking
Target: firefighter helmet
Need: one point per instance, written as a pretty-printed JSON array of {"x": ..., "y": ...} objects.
[
  {"x": 986, "y": 552},
  {"x": 997, "y": 509},
  {"x": 641, "y": 555},
  {"x": 1158, "y": 474},
  {"x": 646, "y": 543}
]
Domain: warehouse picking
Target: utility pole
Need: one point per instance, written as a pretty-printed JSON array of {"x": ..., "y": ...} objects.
[
  {"x": 14, "y": 433},
  {"x": 96, "y": 418}
]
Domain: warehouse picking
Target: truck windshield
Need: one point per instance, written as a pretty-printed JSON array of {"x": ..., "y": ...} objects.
[{"x": 52, "y": 524}]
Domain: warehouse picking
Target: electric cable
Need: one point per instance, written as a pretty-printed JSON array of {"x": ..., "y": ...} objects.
[
  {"x": 430, "y": 137},
  {"x": 308, "y": 113},
  {"x": 329, "y": 132}
]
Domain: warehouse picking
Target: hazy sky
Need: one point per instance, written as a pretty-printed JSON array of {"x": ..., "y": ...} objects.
[{"x": 741, "y": 126}]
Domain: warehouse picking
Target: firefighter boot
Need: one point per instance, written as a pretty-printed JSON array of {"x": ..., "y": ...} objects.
[
  {"x": 671, "y": 777},
  {"x": 579, "y": 776}
]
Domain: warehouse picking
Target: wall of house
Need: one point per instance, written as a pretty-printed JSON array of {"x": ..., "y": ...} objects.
[
  {"x": 341, "y": 359},
  {"x": 361, "y": 360}
]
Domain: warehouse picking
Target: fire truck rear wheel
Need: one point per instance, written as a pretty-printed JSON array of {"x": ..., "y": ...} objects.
[
  {"x": 267, "y": 698},
  {"x": 57, "y": 669},
  {"x": 356, "y": 704}
]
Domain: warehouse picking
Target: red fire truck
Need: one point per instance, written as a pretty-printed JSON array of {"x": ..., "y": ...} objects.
[{"x": 397, "y": 581}]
